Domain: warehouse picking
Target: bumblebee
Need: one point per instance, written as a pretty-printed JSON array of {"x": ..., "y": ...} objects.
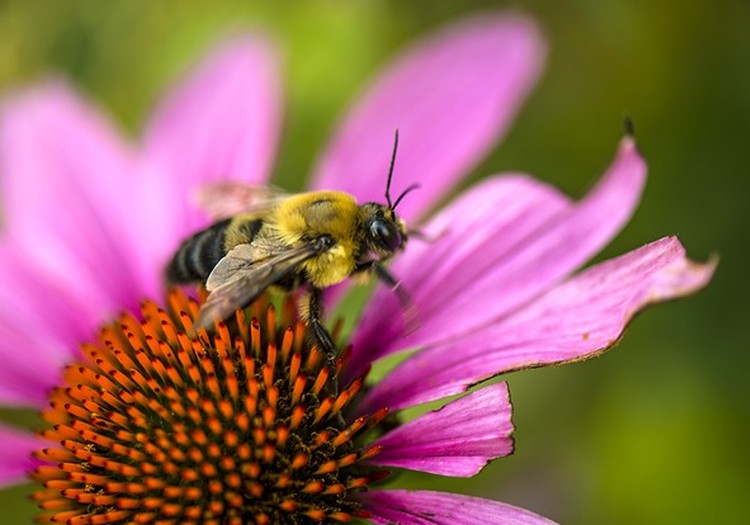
[{"x": 312, "y": 240}]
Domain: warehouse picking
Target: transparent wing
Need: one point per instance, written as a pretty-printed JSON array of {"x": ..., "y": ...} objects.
[
  {"x": 228, "y": 198},
  {"x": 243, "y": 274}
]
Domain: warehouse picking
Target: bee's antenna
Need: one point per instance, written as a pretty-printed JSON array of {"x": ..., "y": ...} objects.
[
  {"x": 404, "y": 193},
  {"x": 392, "y": 205},
  {"x": 390, "y": 173}
]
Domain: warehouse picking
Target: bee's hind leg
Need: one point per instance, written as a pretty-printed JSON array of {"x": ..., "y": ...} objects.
[{"x": 322, "y": 336}]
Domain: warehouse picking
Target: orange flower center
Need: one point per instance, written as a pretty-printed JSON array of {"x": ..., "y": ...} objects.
[{"x": 160, "y": 424}]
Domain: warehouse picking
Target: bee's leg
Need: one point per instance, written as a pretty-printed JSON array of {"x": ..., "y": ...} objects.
[
  {"x": 322, "y": 336},
  {"x": 409, "y": 309}
]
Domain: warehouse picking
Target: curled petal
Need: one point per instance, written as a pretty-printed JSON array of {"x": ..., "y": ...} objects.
[
  {"x": 497, "y": 248},
  {"x": 221, "y": 123},
  {"x": 15, "y": 455},
  {"x": 576, "y": 320},
  {"x": 457, "y": 440},
  {"x": 423, "y": 507},
  {"x": 451, "y": 98}
]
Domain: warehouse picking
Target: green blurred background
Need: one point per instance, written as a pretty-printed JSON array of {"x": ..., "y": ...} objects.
[{"x": 654, "y": 432}]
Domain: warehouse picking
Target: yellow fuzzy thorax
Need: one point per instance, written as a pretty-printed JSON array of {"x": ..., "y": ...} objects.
[{"x": 331, "y": 213}]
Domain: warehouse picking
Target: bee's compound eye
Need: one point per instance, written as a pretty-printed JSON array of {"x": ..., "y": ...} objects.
[{"x": 385, "y": 235}]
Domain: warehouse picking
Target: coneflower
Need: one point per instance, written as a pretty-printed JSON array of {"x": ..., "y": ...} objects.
[{"x": 157, "y": 422}]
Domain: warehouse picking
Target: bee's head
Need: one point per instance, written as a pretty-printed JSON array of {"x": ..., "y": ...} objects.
[{"x": 386, "y": 233}]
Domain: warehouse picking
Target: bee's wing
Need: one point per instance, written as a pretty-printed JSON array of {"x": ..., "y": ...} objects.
[
  {"x": 227, "y": 198},
  {"x": 244, "y": 273}
]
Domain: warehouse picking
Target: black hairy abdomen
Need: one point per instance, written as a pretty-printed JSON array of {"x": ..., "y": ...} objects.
[{"x": 197, "y": 256}]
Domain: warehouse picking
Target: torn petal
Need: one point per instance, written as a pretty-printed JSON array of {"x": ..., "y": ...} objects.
[{"x": 578, "y": 319}]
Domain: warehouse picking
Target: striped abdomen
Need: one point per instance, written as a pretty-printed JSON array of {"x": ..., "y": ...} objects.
[{"x": 198, "y": 255}]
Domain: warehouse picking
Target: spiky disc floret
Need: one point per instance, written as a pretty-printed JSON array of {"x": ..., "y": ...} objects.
[{"x": 159, "y": 424}]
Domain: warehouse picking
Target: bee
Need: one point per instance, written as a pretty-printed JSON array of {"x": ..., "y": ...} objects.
[{"x": 312, "y": 240}]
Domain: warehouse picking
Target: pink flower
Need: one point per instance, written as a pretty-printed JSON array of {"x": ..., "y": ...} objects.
[{"x": 91, "y": 220}]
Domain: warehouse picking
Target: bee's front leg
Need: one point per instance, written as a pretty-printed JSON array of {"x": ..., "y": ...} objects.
[
  {"x": 408, "y": 308},
  {"x": 323, "y": 337}
]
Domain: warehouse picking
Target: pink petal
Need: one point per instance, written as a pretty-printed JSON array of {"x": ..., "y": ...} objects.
[
  {"x": 66, "y": 186},
  {"x": 451, "y": 97},
  {"x": 457, "y": 440},
  {"x": 422, "y": 507},
  {"x": 27, "y": 376},
  {"x": 41, "y": 326},
  {"x": 576, "y": 320},
  {"x": 15, "y": 455},
  {"x": 222, "y": 122},
  {"x": 505, "y": 242}
]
